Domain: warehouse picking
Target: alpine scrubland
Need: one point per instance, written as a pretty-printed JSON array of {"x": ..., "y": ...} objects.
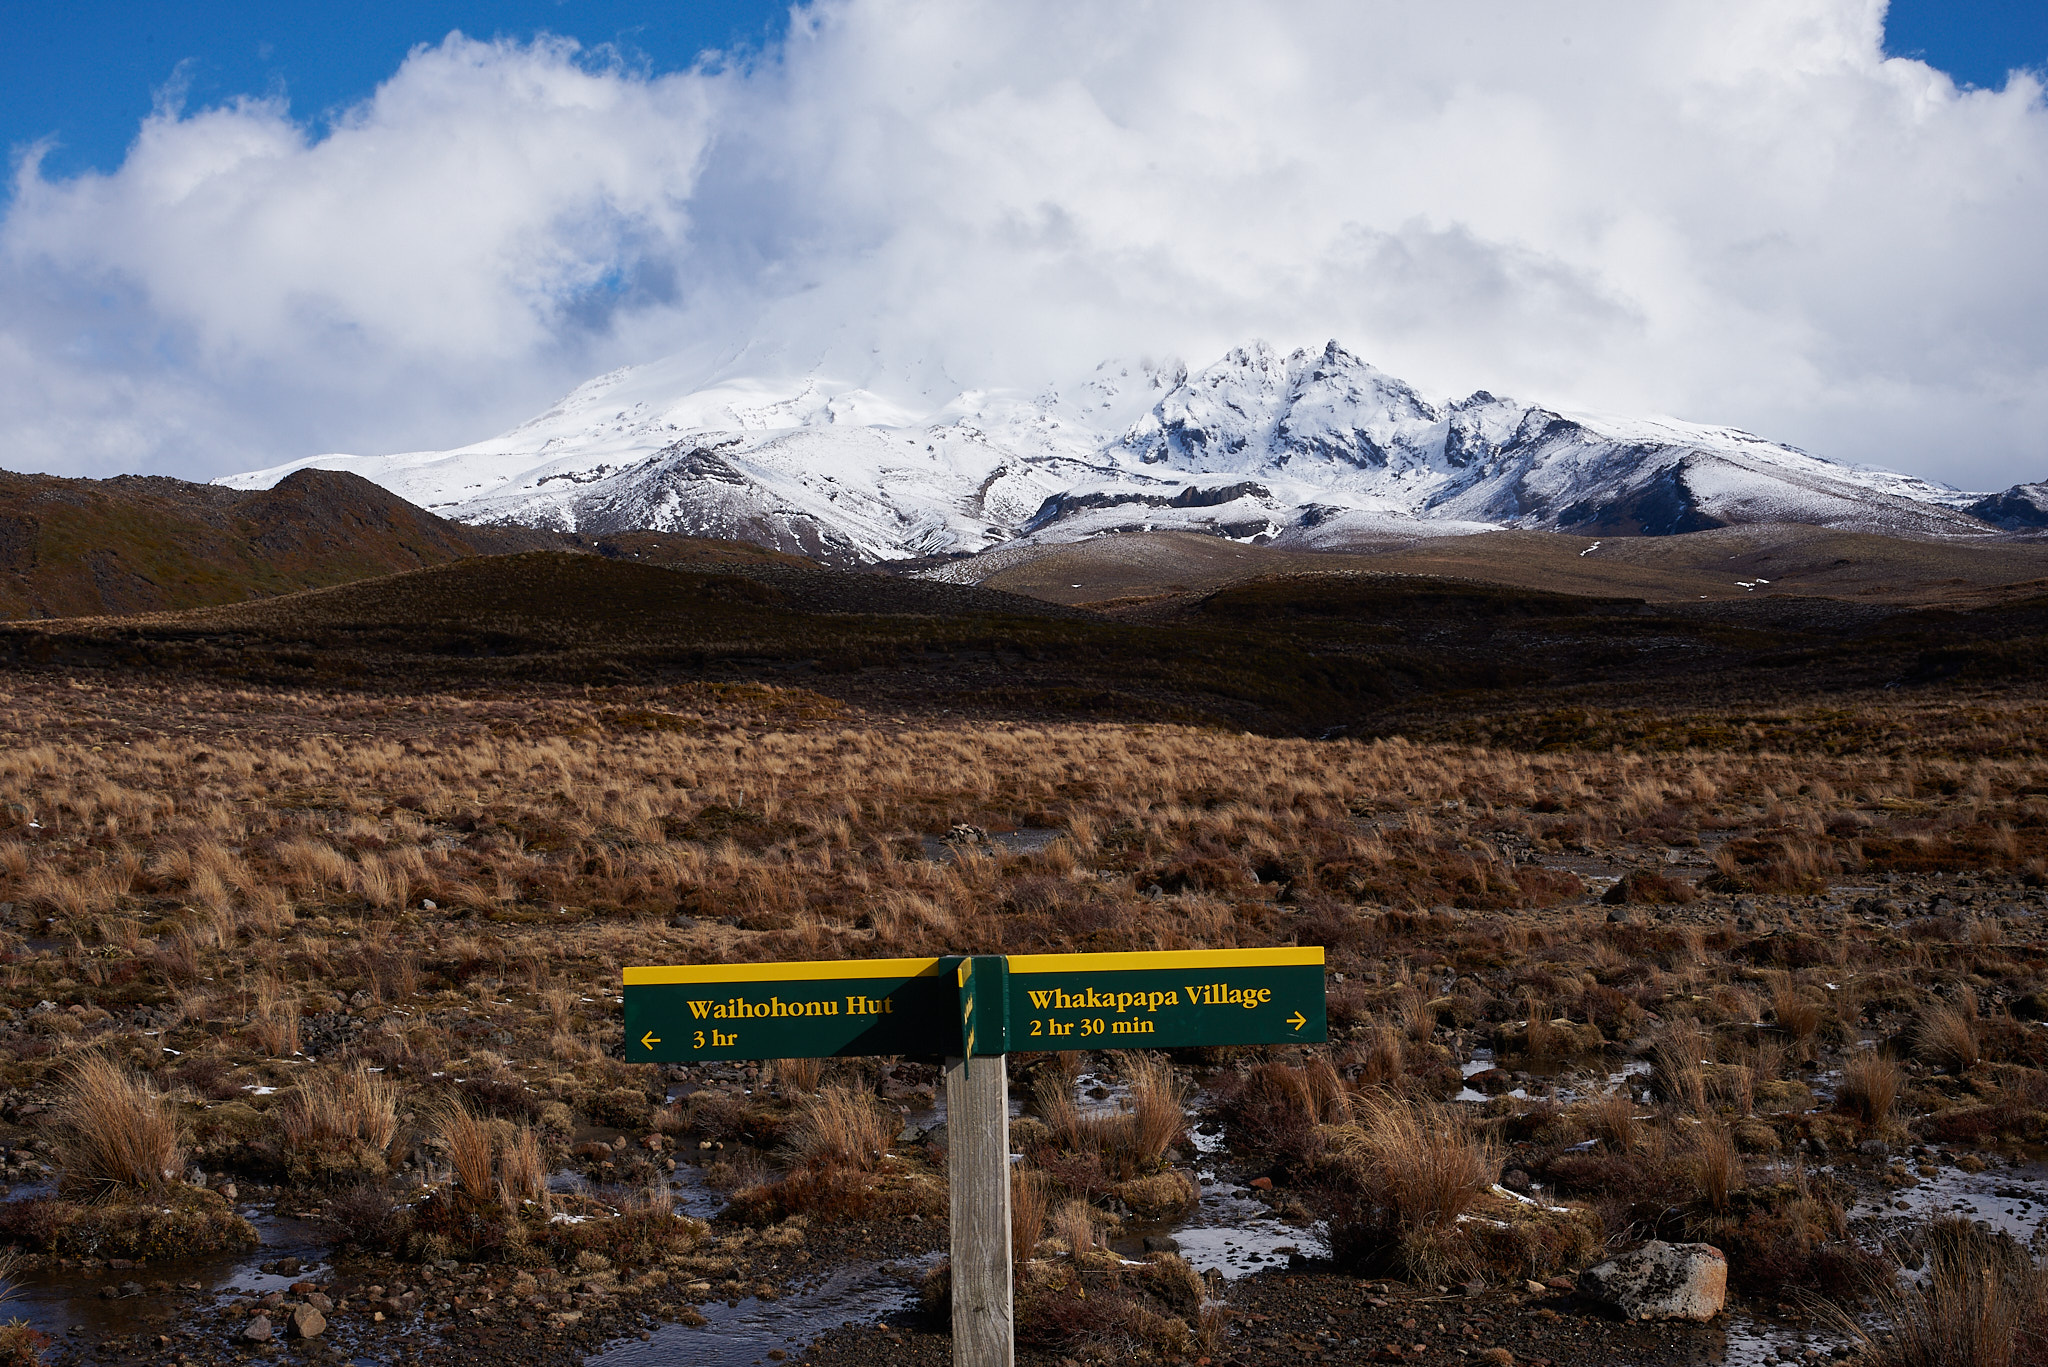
[
  {"x": 360, "y": 952},
  {"x": 1716, "y": 924}
]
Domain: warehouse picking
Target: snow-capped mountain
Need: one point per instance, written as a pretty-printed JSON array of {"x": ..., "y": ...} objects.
[{"x": 1308, "y": 448}]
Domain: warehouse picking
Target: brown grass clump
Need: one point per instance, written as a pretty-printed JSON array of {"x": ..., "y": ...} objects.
[
  {"x": 1715, "y": 1165},
  {"x": 471, "y": 1149},
  {"x": 1079, "y": 1228},
  {"x": 523, "y": 1170},
  {"x": 1399, "y": 1178},
  {"x": 841, "y": 1127},
  {"x": 1684, "y": 1053},
  {"x": 1130, "y": 1141},
  {"x": 1030, "y": 1201},
  {"x": 117, "y": 1131},
  {"x": 1649, "y": 887},
  {"x": 493, "y": 1162},
  {"x": 355, "y": 1104},
  {"x": 1870, "y": 1087},
  {"x": 1798, "y": 1016},
  {"x": 1159, "y": 1196},
  {"x": 21, "y": 1345},
  {"x": 1983, "y": 1303},
  {"x": 338, "y": 1127},
  {"x": 1946, "y": 1036},
  {"x": 1611, "y": 1119},
  {"x": 799, "y": 1076}
]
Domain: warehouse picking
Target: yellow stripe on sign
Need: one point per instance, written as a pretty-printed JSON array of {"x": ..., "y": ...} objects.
[
  {"x": 1169, "y": 958},
  {"x": 808, "y": 971}
]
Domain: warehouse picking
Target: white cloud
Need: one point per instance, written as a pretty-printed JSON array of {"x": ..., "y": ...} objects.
[{"x": 1738, "y": 212}]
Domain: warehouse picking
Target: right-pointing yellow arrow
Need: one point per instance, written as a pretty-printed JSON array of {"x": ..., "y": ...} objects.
[{"x": 1297, "y": 1020}]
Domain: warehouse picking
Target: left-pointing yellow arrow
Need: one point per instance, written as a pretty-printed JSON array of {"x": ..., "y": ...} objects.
[
  {"x": 649, "y": 1040},
  {"x": 1297, "y": 1020}
]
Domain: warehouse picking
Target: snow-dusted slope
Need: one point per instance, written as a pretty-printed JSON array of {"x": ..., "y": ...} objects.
[{"x": 1308, "y": 448}]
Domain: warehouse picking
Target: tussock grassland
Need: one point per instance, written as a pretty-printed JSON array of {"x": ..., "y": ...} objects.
[{"x": 367, "y": 947}]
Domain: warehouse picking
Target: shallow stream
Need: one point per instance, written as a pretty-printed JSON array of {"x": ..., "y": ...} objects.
[{"x": 744, "y": 1334}]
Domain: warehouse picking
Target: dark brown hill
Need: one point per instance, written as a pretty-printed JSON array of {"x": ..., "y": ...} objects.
[
  {"x": 1726, "y": 563},
  {"x": 1363, "y": 652},
  {"x": 146, "y": 543}
]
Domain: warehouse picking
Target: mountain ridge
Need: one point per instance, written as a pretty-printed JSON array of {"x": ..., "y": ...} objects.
[{"x": 1309, "y": 449}]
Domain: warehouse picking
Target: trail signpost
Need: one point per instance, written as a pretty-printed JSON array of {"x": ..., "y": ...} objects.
[{"x": 969, "y": 1007}]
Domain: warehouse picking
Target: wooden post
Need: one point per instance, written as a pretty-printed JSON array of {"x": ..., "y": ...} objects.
[{"x": 978, "y": 1182}]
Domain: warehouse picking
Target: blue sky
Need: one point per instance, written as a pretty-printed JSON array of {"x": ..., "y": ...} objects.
[
  {"x": 1737, "y": 213},
  {"x": 84, "y": 73}
]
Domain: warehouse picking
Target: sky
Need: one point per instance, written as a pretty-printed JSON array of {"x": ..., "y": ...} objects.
[{"x": 238, "y": 234}]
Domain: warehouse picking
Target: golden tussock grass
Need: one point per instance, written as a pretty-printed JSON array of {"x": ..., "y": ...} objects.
[
  {"x": 1870, "y": 1087},
  {"x": 1030, "y": 1206},
  {"x": 1946, "y": 1035},
  {"x": 118, "y": 1132},
  {"x": 841, "y": 1127},
  {"x": 353, "y": 1103},
  {"x": 1983, "y": 1302},
  {"x": 260, "y": 886}
]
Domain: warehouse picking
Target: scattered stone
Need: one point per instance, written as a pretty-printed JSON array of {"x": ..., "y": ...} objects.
[
  {"x": 320, "y": 1301},
  {"x": 258, "y": 1330},
  {"x": 1661, "y": 1281},
  {"x": 1262, "y": 1184},
  {"x": 1161, "y": 1243},
  {"x": 1490, "y": 1081},
  {"x": 306, "y": 1323}
]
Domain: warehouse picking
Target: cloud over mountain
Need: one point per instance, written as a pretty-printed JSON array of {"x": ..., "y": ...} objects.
[{"x": 1738, "y": 214}]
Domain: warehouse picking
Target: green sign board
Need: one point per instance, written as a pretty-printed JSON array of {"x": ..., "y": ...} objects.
[
  {"x": 1169, "y": 1000},
  {"x": 794, "y": 1010},
  {"x": 969, "y": 1006}
]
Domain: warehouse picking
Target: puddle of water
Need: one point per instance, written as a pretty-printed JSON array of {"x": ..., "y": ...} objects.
[
  {"x": 743, "y": 1334},
  {"x": 1481, "y": 1061},
  {"x": 1098, "y": 1095},
  {"x": 1023, "y": 840},
  {"x": 693, "y": 1197},
  {"x": 1234, "y": 1234},
  {"x": 687, "y": 1185},
  {"x": 1575, "y": 1086},
  {"x": 1752, "y": 1343},
  {"x": 59, "y": 1301},
  {"x": 2014, "y": 1200}
]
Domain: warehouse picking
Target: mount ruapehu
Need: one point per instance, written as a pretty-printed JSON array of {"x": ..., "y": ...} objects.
[{"x": 1313, "y": 450}]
